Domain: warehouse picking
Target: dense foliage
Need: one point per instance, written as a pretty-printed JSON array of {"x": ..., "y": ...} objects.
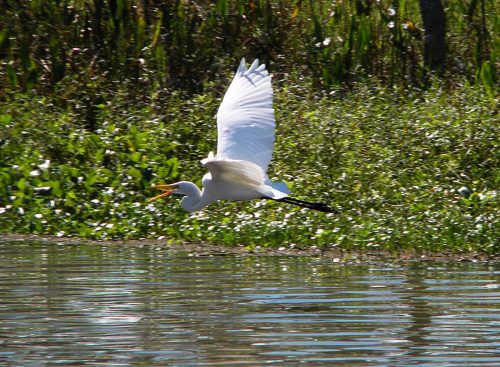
[
  {"x": 405, "y": 171},
  {"x": 100, "y": 99}
]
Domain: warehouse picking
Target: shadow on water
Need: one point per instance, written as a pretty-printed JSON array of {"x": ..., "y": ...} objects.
[{"x": 87, "y": 305}]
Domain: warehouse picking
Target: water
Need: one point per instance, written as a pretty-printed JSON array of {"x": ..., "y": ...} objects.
[{"x": 93, "y": 305}]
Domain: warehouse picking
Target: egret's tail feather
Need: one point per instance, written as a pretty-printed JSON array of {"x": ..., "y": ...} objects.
[
  {"x": 277, "y": 194},
  {"x": 275, "y": 190},
  {"x": 281, "y": 186}
]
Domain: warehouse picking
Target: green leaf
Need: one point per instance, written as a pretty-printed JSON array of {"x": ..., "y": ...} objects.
[
  {"x": 135, "y": 157},
  {"x": 135, "y": 173},
  {"x": 5, "y": 119},
  {"x": 71, "y": 195},
  {"x": 21, "y": 184},
  {"x": 56, "y": 188}
]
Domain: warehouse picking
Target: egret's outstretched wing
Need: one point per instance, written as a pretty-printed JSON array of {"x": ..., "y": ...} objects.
[
  {"x": 245, "y": 120},
  {"x": 242, "y": 172}
]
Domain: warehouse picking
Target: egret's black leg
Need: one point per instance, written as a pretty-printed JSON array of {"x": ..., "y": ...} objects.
[{"x": 322, "y": 207}]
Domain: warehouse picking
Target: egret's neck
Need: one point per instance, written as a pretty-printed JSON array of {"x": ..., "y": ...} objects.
[{"x": 194, "y": 199}]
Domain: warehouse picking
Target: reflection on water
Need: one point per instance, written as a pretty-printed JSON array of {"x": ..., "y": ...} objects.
[{"x": 85, "y": 305}]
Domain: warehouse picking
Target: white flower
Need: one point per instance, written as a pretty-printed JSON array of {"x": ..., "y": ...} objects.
[
  {"x": 109, "y": 191},
  {"x": 327, "y": 41},
  {"x": 42, "y": 188},
  {"x": 391, "y": 24},
  {"x": 391, "y": 11},
  {"x": 38, "y": 216},
  {"x": 44, "y": 165},
  {"x": 35, "y": 173}
]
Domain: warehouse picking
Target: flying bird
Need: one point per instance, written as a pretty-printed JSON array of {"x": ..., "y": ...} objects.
[{"x": 245, "y": 128}]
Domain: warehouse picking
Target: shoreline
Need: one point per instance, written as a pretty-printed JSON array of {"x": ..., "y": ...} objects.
[{"x": 204, "y": 249}]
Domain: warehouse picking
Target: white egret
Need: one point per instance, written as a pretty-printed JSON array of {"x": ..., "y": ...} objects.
[{"x": 245, "y": 126}]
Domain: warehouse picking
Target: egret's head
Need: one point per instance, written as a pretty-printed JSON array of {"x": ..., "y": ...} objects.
[
  {"x": 167, "y": 190},
  {"x": 180, "y": 188}
]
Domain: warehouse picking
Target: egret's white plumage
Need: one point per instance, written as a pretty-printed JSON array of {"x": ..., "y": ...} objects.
[
  {"x": 245, "y": 126},
  {"x": 245, "y": 120}
]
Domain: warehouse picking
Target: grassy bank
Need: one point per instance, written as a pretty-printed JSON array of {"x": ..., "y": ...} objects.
[
  {"x": 407, "y": 170},
  {"x": 100, "y": 99}
]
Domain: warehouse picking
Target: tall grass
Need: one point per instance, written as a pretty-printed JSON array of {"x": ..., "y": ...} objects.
[{"x": 182, "y": 44}]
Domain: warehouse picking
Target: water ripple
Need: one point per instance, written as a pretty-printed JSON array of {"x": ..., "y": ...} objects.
[{"x": 90, "y": 305}]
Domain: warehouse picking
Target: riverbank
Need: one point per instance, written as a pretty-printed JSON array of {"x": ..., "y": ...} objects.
[
  {"x": 407, "y": 170},
  {"x": 206, "y": 249}
]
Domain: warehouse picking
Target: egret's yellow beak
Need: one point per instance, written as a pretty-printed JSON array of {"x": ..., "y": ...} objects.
[{"x": 167, "y": 190}]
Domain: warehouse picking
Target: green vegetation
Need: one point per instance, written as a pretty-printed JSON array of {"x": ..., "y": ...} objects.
[
  {"x": 176, "y": 44},
  {"x": 100, "y": 99},
  {"x": 392, "y": 164}
]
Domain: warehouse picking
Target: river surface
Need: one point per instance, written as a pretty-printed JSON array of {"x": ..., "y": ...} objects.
[{"x": 96, "y": 305}]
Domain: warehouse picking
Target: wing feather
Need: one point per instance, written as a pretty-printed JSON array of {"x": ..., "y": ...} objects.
[
  {"x": 245, "y": 120},
  {"x": 235, "y": 171}
]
